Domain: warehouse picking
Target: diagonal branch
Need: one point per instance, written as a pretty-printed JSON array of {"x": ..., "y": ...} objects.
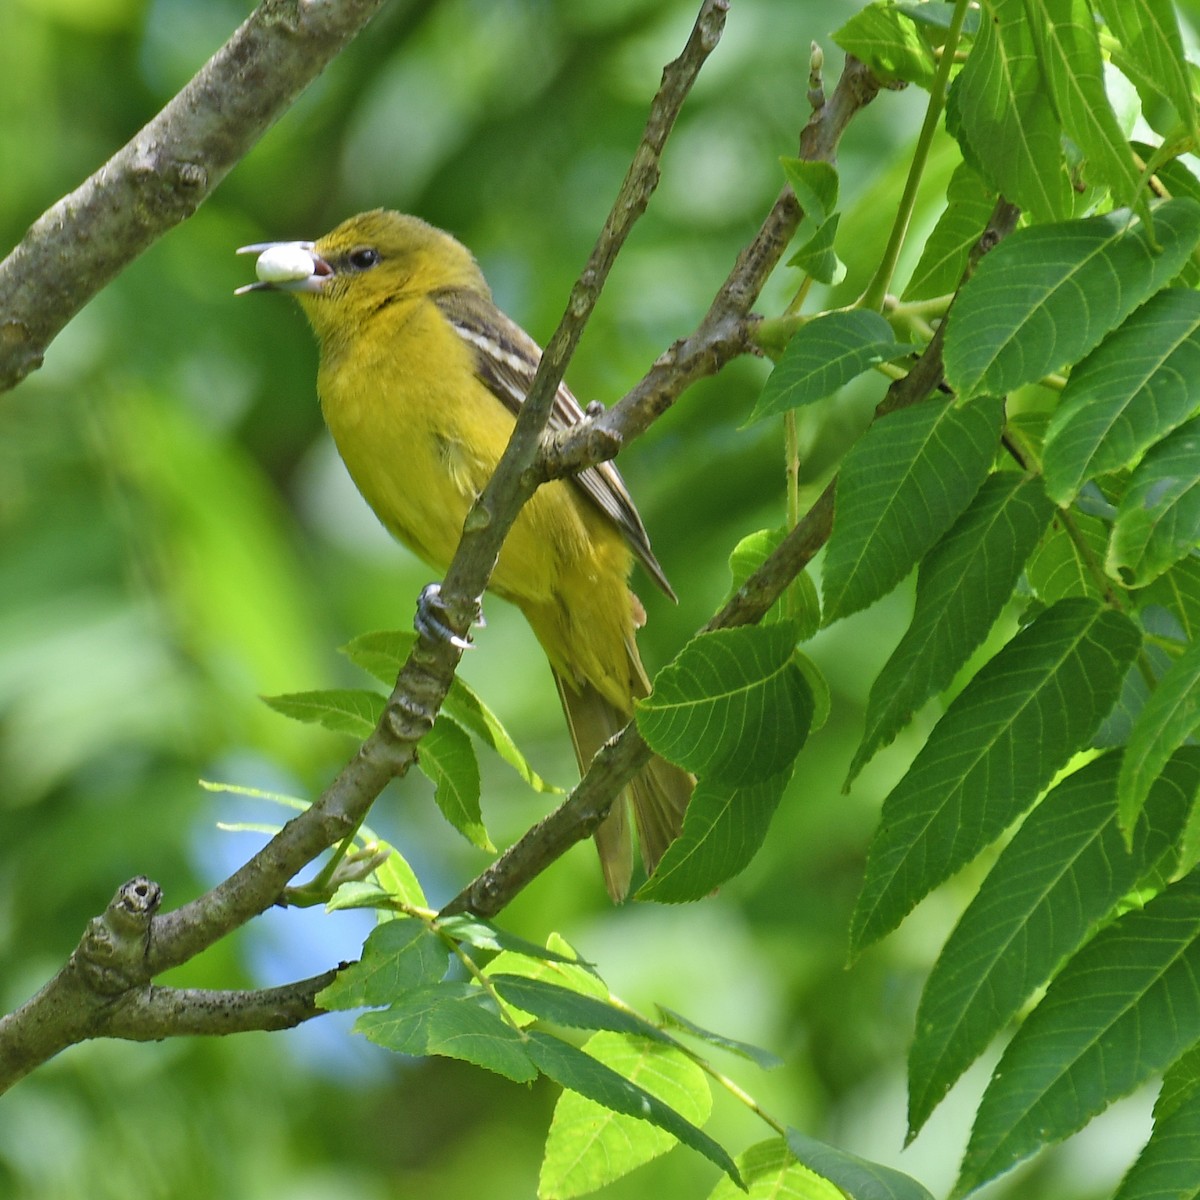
[
  {"x": 721, "y": 334},
  {"x": 626, "y": 754},
  {"x": 168, "y": 169},
  {"x": 725, "y": 330},
  {"x": 104, "y": 989},
  {"x": 516, "y": 477},
  {"x": 425, "y": 678},
  {"x": 86, "y": 1001}
]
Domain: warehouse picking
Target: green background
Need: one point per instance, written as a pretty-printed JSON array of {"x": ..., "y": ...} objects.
[{"x": 177, "y": 536}]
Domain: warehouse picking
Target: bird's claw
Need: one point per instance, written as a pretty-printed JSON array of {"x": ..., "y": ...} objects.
[{"x": 429, "y": 619}]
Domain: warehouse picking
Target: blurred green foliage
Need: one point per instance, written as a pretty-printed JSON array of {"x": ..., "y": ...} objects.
[{"x": 177, "y": 537}]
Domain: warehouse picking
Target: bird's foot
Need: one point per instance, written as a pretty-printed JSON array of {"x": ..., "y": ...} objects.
[{"x": 430, "y": 619}]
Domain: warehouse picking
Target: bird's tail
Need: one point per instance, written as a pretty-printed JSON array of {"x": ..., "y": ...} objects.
[{"x": 660, "y": 792}]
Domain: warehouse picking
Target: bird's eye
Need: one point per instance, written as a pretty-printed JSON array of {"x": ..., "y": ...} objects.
[{"x": 364, "y": 258}]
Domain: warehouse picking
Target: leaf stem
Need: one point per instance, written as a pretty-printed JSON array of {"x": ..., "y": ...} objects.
[
  {"x": 1089, "y": 560},
  {"x": 935, "y": 306},
  {"x": 472, "y": 969},
  {"x": 877, "y": 289},
  {"x": 798, "y": 299},
  {"x": 737, "y": 1092}
]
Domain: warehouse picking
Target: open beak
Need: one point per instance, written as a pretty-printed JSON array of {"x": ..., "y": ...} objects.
[{"x": 286, "y": 267}]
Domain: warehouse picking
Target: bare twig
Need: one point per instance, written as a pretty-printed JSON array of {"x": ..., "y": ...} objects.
[
  {"x": 724, "y": 332},
  {"x": 516, "y": 478},
  {"x": 161, "y": 177}
]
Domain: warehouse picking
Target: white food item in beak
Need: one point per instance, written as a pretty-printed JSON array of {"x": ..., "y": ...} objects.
[
  {"x": 286, "y": 267},
  {"x": 285, "y": 262}
]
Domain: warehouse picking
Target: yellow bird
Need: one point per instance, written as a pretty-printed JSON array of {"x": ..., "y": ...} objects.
[{"x": 420, "y": 380}]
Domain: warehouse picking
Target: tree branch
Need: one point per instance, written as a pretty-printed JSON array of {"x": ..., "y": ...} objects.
[
  {"x": 721, "y": 334},
  {"x": 149, "y": 1014},
  {"x": 425, "y": 678},
  {"x": 624, "y": 755},
  {"x": 724, "y": 332},
  {"x": 73, "y": 1005},
  {"x": 68, "y": 1010},
  {"x": 166, "y": 171},
  {"x": 104, "y": 991},
  {"x": 517, "y": 476}
]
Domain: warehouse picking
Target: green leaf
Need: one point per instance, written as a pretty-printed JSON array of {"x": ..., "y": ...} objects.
[
  {"x": 756, "y": 1054},
  {"x": 1174, "y": 598},
  {"x": 1068, "y": 44},
  {"x": 1132, "y": 390},
  {"x": 572, "y": 1068},
  {"x": 483, "y": 935},
  {"x": 963, "y": 584},
  {"x": 1124, "y": 1008},
  {"x": 823, "y": 355},
  {"x": 1151, "y": 53},
  {"x": 454, "y": 1020},
  {"x": 575, "y": 975},
  {"x": 589, "y": 1145},
  {"x": 381, "y": 653},
  {"x": 1180, "y": 1084},
  {"x": 1048, "y": 294},
  {"x": 815, "y": 185},
  {"x": 937, "y": 16},
  {"x": 577, "y": 1010},
  {"x": 342, "y": 710},
  {"x": 1158, "y": 521},
  {"x": 817, "y": 257},
  {"x": 858, "y": 1178},
  {"x": 723, "y": 828},
  {"x": 1169, "y": 1164},
  {"x": 903, "y": 484},
  {"x": 999, "y": 110},
  {"x": 398, "y": 957},
  {"x": 294, "y": 803},
  {"x": 1000, "y": 742},
  {"x": 384, "y": 652},
  {"x": 888, "y": 42},
  {"x": 969, "y": 205},
  {"x": 1069, "y": 566},
  {"x": 799, "y": 602},
  {"x": 446, "y": 755},
  {"x": 732, "y": 707},
  {"x": 1169, "y": 718},
  {"x": 1063, "y": 872},
  {"x": 772, "y": 1172},
  {"x": 399, "y": 881}
]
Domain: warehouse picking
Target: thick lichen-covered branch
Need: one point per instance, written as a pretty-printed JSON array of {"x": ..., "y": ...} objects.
[{"x": 164, "y": 173}]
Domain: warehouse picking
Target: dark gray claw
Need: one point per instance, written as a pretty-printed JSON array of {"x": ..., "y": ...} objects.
[{"x": 429, "y": 619}]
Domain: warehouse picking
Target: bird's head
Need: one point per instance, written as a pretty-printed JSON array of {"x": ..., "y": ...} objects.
[{"x": 367, "y": 263}]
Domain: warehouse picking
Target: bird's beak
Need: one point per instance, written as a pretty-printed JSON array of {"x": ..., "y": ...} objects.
[{"x": 286, "y": 267}]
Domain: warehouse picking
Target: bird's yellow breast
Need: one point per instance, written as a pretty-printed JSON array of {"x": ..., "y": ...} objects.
[
  {"x": 421, "y": 436},
  {"x": 418, "y": 445}
]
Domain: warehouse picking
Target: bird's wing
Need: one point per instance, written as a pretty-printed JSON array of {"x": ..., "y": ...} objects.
[{"x": 506, "y": 359}]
